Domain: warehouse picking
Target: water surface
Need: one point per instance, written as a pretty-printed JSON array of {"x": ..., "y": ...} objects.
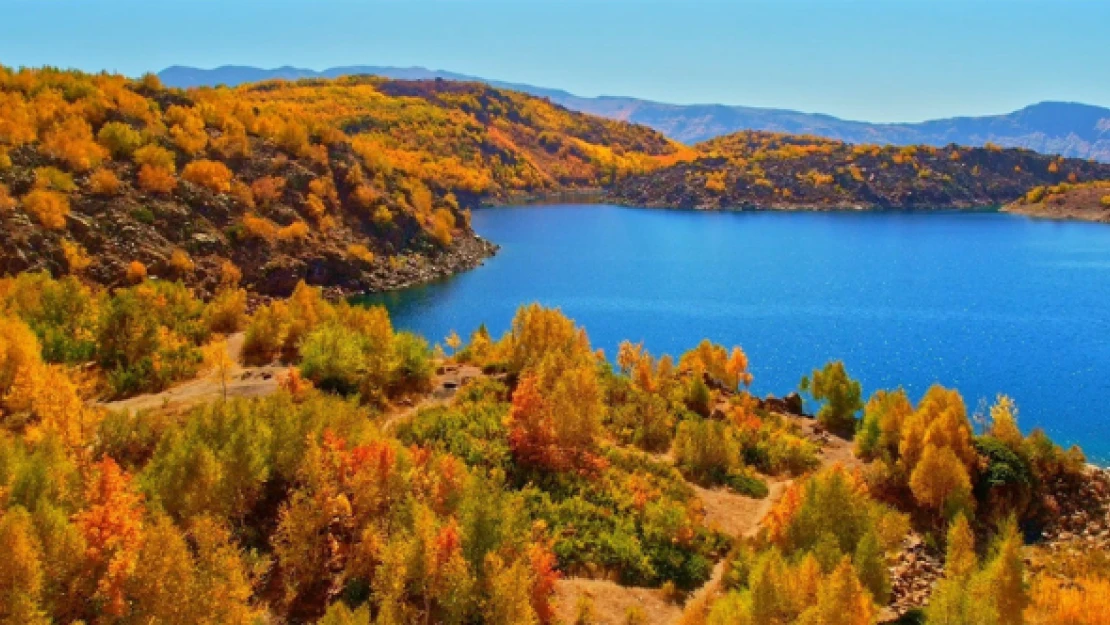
[{"x": 984, "y": 302}]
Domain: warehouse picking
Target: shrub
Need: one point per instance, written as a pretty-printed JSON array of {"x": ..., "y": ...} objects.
[
  {"x": 77, "y": 260},
  {"x": 49, "y": 208},
  {"x": 180, "y": 262},
  {"x": 63, "y": 314},
  {"x": 7, "y": 202},
  {"x": 54, "y": 179},
  {"x": 361, "y": 253},
  {"x": 242, "y": 194},
  {"x": 212, "y": 175},
  {"x": 71, "y": 142},
  {"x": 708, "y": 452},
  {"x": 104, "y": 182},
  {"x": 266, "y": 334},
  {"x": 156, "y": 179},
  {"x": 260, "y": 228},
  {"x": 267, "y": 190},
  {"x": 296, "y": 231},
  {"x": 120, "y": 139},
  {"x": 156, "y": 156},
  {"x": 135, "y": 272}
]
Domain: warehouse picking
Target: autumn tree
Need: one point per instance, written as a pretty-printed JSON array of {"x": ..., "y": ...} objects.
[
  {"x": 219, "y": 362},
  {"x": 940, "y": 481},
  {"x": 841, "y": 396},
  {"x": 111, "y": 526},
  {"x": 120, "y": 139},
  {"x": 104, "y": 182},
  {"x": 49, "y": 208},
  {"x": 212, "y": 175},
  {"x": 21, "y": 574},
  {"x": 881, "y": 429}
]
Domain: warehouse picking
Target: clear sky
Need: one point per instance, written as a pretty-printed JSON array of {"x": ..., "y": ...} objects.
[{"x": 879, "y": 60}]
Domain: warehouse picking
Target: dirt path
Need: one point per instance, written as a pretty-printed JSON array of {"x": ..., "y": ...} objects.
[
  {"x": 260, "y": 381},
  {"x": 243, "y": 382},
  {"x": 726, "y": 511}
]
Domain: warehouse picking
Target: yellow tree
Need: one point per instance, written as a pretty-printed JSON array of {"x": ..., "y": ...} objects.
[
  {"x": 940, "y": 481},
  {"x": 218, "y": 360},
  {"x": 21, "y": 575},
  {"x": 453, "y": 341},
  {"x": 842, "y": 600}
]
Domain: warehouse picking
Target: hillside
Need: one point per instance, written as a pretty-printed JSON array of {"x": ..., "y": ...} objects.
[
  {"x": 1070, "y": 129},
  {"x": 1086, "y": 201},
  {"x": 358, "y": 184},
  {"x": 317, "y": 466},
  {"x": 766, "y": 170}
]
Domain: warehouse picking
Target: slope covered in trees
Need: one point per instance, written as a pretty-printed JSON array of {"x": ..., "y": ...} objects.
[
  {"x": 325, "y": 501},
  {"x": 1070, "y": 129},
  {"x": 776, "y": 171},
  {"x": 359, "y": 183},
  {"x": 1089, "y": 201}
]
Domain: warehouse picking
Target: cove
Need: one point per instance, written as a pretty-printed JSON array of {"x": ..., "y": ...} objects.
[{"x": 984, "y": 302}]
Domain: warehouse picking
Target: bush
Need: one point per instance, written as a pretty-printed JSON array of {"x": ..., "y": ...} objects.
[
  {"x": 120, "y": 139},
  {"x": 156, "y": 179},
  {"x": 49, "y": 208},
  {"x": 7, "y": 202},
  {"x": 104, "y": 182},
  {"x": 212, "y": 175}
]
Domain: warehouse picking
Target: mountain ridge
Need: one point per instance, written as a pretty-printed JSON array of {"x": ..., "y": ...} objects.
[{"x": 1071, "y": 129}]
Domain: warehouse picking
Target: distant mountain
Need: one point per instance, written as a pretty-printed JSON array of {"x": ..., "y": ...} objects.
[{"x": 1070, "y": 129}]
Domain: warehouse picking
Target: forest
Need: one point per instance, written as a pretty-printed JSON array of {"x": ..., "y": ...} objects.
[{"x": 354, "y": 491}]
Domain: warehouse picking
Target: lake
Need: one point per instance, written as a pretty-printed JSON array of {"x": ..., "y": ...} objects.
[{"x": 983, "y": 302}]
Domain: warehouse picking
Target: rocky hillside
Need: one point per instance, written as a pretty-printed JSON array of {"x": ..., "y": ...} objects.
[
  {"x": 767, "y": 170},
  {"x": 1087, "y": 201},
  {"x": 358, "y": 184}
]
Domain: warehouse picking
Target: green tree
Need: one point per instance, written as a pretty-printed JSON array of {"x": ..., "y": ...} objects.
[{"x": 841, "y": 396}]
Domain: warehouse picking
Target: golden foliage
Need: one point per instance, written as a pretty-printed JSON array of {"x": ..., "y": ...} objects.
[
  {"x": 7, "y": 202},
  {"x": 49, "y": 208},
  {"x": 104, "y": 182},
  {"x": 180, "y": 262},
  {"x": 77, "y": 259},
  {"x": 361, "y": 253},
  {"x": 135, "y": 272},
  {"x": 212, "y": 175},
  {"x": 156, "y": 179}
]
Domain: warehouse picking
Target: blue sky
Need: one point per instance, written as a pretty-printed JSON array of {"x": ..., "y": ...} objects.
[{"x": 879, "y": 60}]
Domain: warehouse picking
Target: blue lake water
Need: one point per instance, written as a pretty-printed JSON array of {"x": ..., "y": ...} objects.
[{"x": 984, "y": 302}]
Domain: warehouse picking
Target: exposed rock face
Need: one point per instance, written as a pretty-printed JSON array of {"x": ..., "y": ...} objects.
[
  {"x": 913, "y": 575},
  {"x": 1083, "y": 518},
  {"x": 791, "y": 404}
]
